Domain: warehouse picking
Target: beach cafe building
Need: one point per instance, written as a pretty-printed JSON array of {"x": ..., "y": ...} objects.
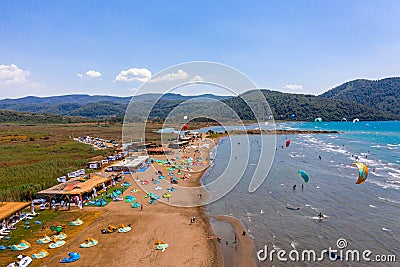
[
  {"x": 9, "y": 210},
  {"x": 79, "y": 187}
]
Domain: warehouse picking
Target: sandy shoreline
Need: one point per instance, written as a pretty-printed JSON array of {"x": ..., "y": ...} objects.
[
  {"x": 189, "y": 243},
  {"x": 243, "y": 254}
]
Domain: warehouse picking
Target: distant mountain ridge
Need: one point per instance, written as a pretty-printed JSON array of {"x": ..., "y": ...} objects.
[
  {"x": 365, "y": 99},
  {"x": 64, "y": 99},
  {"x": 87, "y": 105},
  {"x": 84, "y": 98}
]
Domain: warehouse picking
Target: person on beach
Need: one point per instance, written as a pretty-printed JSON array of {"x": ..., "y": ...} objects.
[
  {"x": 302, "y": 187},
  {"x": 294, "y": 187},
  {"x": 235, "y": 237},
  {"x": 244, "y": 233},
  {"x": 141, "y": 207}
]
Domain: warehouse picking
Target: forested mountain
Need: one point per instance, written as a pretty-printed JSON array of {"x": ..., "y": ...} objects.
[
  {"x": 383, "y": 95},
  {"x": 365, "y": 99},
  {"x": 308, "y": 107},
  {"x": 89, "y": 106}
]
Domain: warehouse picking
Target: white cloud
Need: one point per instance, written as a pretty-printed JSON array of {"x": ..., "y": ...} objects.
[
  {"x": 293, "y": 86},
  {"x": 89, "y": 75},
  {"x": 93, "y": 74},
  {"x": 196, "y": 78},
  {"x": 15, "y": 82},
  {"x": 133, "y": 74},
  {"x": 11, "y": 74},
  {"x": 179, "y": 75}
]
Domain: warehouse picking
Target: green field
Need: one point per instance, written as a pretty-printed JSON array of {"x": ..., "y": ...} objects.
[{"x": 32, "y": 157}]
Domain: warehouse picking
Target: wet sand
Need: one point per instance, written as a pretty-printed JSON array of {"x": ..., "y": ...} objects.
[{"x": 239, "y": 253}]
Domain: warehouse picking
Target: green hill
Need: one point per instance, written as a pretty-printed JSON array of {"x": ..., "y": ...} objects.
[
  {"x": 382, "y": 95},
  {"x": 308, "y": 107},
  {"x": 364, "y": 99}
]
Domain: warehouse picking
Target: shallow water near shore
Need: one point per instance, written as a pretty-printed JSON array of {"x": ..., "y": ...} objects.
[
  {"x": 225, "y": 231},
  {"x": 365, "y": 215}
]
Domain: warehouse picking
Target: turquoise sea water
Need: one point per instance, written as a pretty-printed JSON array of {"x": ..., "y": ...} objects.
[{"x": 367, "y": 216}]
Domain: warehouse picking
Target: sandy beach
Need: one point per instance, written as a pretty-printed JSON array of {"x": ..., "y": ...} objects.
[{"x": 190, "y": 244}]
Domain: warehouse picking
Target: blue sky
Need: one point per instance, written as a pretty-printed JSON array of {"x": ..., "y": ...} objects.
[{"x": 65, "y": 47}]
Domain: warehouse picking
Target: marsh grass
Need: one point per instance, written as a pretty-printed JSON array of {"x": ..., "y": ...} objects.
[{"x": 32, "y": 157}]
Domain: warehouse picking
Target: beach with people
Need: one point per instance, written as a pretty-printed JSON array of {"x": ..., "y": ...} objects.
[
  {"x": 188, "y": 232},
  {"x": 158, "y": 211}
]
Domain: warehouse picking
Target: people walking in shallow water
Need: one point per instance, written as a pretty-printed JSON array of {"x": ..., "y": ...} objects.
[
  {"x": 294, "y": 187},
  {"x": 302, "y": 187},
  {"x": 320, "y": 215},
  {"x": 319, "y": 157}
]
